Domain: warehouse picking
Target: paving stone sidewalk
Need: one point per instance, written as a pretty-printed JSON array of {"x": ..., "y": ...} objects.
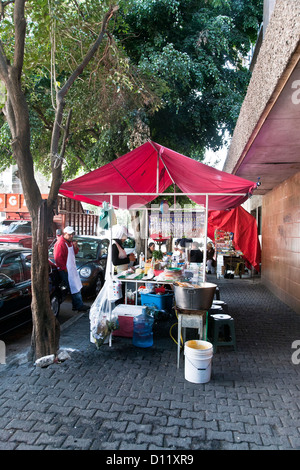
[{"x": 126, "y": 398}]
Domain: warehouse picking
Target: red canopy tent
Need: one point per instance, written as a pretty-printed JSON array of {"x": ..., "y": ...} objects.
[
  {"x": 143, "y": 174},
  {"x": 244, "y": 227},
  {"x": 147, "y": 171}
]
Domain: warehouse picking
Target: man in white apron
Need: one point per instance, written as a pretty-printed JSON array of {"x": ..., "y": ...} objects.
[{"x": 65, "y": 250}]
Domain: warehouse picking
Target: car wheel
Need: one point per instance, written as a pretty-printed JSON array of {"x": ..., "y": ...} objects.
[
  {"x": 55, "y": 305},
  {"x": 98, "y": 284}
]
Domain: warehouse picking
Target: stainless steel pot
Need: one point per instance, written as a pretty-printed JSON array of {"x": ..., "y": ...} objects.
[{"x": 195, "y": 298}]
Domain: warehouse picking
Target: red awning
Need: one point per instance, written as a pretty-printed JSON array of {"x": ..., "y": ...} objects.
[
  {"x": 244, "y": 227},
  {"x": 135, "y": 174}
]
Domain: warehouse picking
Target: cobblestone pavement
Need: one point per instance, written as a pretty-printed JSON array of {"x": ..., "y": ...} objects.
[{"x": 126, "y": 398}]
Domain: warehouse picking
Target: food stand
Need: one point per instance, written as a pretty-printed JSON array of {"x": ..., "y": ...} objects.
[
  {"x": 136, "y": 179},
  {"x": 229, "y": 260}
]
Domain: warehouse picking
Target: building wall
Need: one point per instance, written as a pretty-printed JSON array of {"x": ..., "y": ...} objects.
[{"x": 281, "y": 241}]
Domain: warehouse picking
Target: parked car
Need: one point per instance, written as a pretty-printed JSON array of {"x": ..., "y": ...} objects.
[
  {"x": 16, "y": 240},
  {"x": 15, "y": 287},
  {"x": 15, "y": 226},
  {"x": 16, "y": 233},
  {"x": 91, "y": 261}
]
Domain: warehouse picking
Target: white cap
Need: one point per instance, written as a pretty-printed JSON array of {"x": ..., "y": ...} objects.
[
  {"x": 120, "y": 231},
  {"x": 69, "y": 230}
]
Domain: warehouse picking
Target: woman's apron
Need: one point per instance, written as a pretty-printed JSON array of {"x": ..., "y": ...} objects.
[
  {"x": 122, "y": 255},
  {"x": 73, "y": 276}
]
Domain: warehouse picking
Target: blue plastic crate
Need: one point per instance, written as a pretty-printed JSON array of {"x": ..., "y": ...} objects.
[{"x": 161, "y": 301}]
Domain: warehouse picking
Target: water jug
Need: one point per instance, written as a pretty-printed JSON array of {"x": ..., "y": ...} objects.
[{"x": 142, "y": 331}]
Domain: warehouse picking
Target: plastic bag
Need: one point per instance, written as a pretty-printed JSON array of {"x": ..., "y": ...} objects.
[
  {"x": 102, "y": 319},
  {"x": 114, "y": 290},
  {"x": 107, "y": 216}
]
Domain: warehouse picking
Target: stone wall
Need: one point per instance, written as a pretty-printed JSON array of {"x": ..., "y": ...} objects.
[{"x": 281, "y": 241}]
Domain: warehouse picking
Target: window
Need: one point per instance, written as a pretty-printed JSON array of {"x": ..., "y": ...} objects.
[
  {"x": 87, "y": 248},
  {"x": 129, "y": 243},
  {"x": 12, "y": 267},
  {"x": 27, "y": 270}
]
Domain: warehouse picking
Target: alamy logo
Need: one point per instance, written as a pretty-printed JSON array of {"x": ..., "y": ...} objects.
[
  {"x": 2, "y": 352},
  {"x": 296, "y": 94},
  {"x": 296, "y": 354}
]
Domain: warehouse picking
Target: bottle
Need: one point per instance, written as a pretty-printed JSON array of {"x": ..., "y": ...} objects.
[
  {"x": 142, "y": 331},
  {"x": 142, "y": 260}
]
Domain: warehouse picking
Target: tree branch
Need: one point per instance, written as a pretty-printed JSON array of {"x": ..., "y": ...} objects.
[
  {"x": 66, "y": 134},
  {"x": 2, "y": 7},
  {"x": 41, "y": 115},
  {"x": 20, "y": 30},
  {"x": 3, "y": 65},
  {"x": 60, "y": 104},
  {"x": 89, "y": 55}
]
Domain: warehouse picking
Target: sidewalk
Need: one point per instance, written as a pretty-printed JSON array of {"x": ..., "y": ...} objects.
[{"x": 125, "y": 398}]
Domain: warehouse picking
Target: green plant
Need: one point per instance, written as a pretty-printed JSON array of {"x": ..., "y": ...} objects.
[{"x": 157, "y": 254}]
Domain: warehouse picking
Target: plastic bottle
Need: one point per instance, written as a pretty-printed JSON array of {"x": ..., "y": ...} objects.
[{"x": 142, "y": 331}]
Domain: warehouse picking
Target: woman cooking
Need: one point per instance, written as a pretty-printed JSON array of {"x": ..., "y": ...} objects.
[{"x": 120, "y": 259}]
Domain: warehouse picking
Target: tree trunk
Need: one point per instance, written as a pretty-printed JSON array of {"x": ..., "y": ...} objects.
[
  {"x": 46, "y": 328},
  {"x": 45, "y": 336}
]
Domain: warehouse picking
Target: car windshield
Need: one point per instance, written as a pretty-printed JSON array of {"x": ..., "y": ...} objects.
[
  {"x": 129, "y": 243},
  {"x": 4, "y": 226},
  {"x": 17, "y": 227},
  {"x": 88, "y": 248}
]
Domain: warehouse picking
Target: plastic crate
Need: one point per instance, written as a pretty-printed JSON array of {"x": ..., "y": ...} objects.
[{"x": 161, "y": 301}]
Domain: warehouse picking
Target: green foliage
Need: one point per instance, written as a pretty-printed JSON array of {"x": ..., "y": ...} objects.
[
  {"x": 5, "y": 150},
  {"x": 104, "y": 99},
  {"x": 157, "y": 254},
  {"x": 174, "y": 67},
  {"x": 195, "y": 53}
]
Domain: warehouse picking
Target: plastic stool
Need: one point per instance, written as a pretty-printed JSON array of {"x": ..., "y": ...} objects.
[
  {"x": 192, "y": 319},
  {"x": 220, "y": 303},
  {"x": 214, "y": 309},
  {"x": 223, "y": 324}
]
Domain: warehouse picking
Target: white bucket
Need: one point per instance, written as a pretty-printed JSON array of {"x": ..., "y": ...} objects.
[{"x": 198, "y": 358}]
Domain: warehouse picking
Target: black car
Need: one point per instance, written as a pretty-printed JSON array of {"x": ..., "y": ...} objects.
[{"x": 15, "y": 287}]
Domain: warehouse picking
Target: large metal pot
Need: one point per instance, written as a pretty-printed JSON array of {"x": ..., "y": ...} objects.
[{"x": 195, "y": 298}]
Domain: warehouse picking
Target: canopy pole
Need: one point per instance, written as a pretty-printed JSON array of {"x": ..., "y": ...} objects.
[
  {"x": 205, "y": 238},
  {"x": 110, "y": 268},
  {"x": 174, "y": 195},
  {"x": 161, "y": 194},
  {"x": 157, "y": 174},
  {"x": 146, "y": 234}
]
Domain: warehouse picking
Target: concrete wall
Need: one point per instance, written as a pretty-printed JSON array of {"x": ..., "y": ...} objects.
[
  {"x": 281, "y": 241},
  {"x": 281, "y": 40}
]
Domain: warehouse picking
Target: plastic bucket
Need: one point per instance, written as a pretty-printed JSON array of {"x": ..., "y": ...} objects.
[{"x": 198, "y": 359}]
